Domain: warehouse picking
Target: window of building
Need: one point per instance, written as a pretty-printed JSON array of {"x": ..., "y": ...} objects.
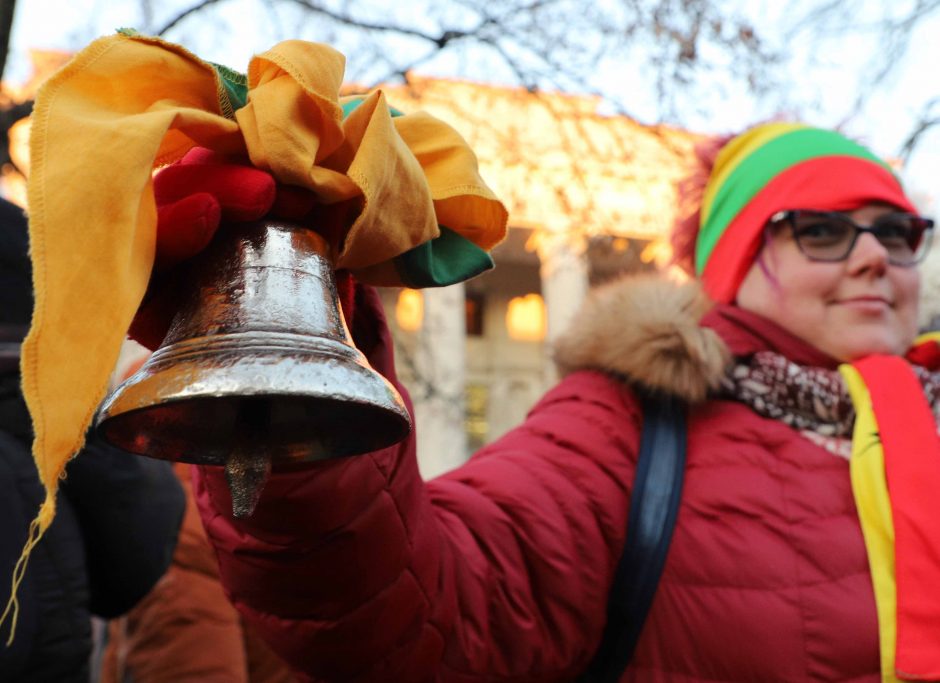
[
  {"x": 473, "y": 306},
  {"x": 526, "y": 318},
  {"x": 476, "y": 425}
]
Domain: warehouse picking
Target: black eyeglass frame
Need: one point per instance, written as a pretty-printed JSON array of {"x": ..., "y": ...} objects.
[{"x": 790, "y": 216}]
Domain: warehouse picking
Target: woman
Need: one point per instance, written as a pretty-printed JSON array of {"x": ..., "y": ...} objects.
[
  {"x": 184, "y": 629},
  {"x": 499, "y": 570}
]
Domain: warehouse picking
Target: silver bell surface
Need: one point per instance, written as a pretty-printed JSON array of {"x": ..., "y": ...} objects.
[{"x": 258, "y": 370}]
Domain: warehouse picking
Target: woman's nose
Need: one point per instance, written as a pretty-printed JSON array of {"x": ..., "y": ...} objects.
[{"x": 868, "y": 254}]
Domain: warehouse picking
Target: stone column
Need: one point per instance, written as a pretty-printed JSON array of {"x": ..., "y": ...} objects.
[
  {"x": 440, "y": 366},
  {"x": 564, "y": 275}
]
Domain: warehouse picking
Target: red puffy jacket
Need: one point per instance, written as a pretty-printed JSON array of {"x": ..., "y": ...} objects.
[{"x": 499, "y": 570}]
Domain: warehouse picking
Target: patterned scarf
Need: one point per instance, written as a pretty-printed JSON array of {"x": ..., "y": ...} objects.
[{"x": 805, "y": 398}]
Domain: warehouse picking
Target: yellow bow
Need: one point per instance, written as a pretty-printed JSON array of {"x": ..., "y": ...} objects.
[{"x": 127, "y": 104}]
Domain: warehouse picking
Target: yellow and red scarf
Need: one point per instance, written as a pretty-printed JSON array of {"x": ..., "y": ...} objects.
[{"x": 895, "y": 470}]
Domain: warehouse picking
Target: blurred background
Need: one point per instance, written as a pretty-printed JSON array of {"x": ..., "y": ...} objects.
[{"x": 583, "y": 115}]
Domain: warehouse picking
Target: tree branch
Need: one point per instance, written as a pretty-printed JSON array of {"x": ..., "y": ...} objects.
[
  {"x": 201, "y": 5},
  {"x": 925, "y": 122}
]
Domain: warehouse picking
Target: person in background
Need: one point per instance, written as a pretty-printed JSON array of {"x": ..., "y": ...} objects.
[
  {"x": 119, "y": 515},
  {"x": 185, "y": 629}
]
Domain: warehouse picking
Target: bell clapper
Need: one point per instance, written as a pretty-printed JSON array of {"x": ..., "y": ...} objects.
[{"x": 249, "y": 465}]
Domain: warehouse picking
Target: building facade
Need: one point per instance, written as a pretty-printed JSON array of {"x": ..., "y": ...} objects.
[{"x": 590, "y": 196}]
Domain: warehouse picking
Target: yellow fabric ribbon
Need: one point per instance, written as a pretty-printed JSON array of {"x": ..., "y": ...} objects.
[
  {"x": 128, "y": 104},
  {"x": 870, "y": 488}
]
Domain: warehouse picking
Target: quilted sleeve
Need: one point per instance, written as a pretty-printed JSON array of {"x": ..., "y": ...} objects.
[{"x": 357, "y": 570}]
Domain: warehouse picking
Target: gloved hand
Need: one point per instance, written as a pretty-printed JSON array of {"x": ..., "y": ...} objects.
[
  {"x": 194, "y": 197},
  {"x": 196, "y": 193}
]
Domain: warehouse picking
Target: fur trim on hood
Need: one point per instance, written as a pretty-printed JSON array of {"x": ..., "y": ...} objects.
[{"x": 645, "y": 329}]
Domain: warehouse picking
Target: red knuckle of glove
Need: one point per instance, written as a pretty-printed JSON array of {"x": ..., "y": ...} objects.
[
  {"x": 244, "y": 193},
  {"x": 185, "y": 227}
]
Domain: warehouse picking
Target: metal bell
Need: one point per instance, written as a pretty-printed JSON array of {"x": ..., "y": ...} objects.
[{"x": 258, "y": 370}]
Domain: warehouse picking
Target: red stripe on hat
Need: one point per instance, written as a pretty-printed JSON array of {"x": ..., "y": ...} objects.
[
  {"x": 912, "y": 469},
  {"x": 824, "y": 184}
]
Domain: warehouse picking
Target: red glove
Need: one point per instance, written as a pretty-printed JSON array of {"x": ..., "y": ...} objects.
[
  {"x": 194, "y": 196},
  {"x": 196, "y": 193}
]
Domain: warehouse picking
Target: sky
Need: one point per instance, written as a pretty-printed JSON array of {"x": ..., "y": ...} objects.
[{"x": 825, "y": 76}]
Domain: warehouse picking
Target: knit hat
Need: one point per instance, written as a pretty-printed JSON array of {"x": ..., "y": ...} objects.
[{"x": 775, "y": 167}]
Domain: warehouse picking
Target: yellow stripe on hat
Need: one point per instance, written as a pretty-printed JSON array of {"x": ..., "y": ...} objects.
[{"x": 736, "y": 151}]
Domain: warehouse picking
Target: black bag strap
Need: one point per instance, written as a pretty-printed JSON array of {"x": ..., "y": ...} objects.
[{"x": 654, "y": 506}]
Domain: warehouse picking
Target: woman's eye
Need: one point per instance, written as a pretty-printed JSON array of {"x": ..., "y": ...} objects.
[
  {"x": 894, "y": 231},
  {"x": 820, "y": 231}
]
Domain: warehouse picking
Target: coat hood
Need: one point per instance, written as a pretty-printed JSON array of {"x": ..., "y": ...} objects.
[{"x": 645, "y": 329}]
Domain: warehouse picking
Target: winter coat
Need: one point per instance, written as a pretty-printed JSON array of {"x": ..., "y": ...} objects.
[
  {"x": 117, "y": 520},
  {"x": 185, "y": 629},
  {"x": 499, "y": 570}
]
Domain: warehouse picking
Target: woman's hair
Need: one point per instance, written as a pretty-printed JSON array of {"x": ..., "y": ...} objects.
[{"x": 691, "y": 190}]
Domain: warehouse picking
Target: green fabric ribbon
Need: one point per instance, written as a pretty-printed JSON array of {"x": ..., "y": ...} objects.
[
  {"x": 442, "y": 261},
  {"x": 445, "y": 260}
]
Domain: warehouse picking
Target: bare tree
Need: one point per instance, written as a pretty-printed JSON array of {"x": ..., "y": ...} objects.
[
  {"x": 691, "y": 56},
  {"x": 539, "y": 44},
  {"x": 679, "y": 51},
  {"x": 889, "y": 29}
]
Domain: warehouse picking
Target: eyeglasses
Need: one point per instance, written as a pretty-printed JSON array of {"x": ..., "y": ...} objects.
[{"x": 831, "y": 236}]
